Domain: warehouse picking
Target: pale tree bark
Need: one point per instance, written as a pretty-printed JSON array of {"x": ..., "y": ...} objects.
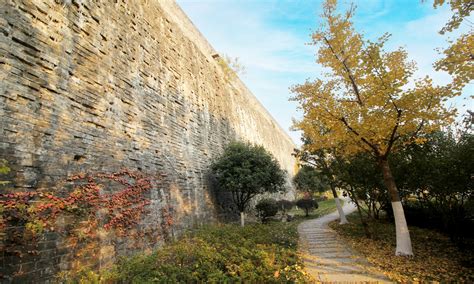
[
  {"x": 342, "y": 216},
  {"x": 242, "y": 219},
  {"x": 404, "y": 247}
]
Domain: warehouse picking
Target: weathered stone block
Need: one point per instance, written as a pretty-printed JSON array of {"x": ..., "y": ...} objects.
[{"x": 95, "y": 86}]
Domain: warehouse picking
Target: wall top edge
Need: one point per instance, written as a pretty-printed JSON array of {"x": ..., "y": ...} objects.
[{"x": 187, "y": 27}]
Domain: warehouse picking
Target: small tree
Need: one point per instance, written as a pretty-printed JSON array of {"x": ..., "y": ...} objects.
[
  {"x": 309, "y": 180},
  {"x": 307, "y": 204},
  {"x": 266, "y": 208},
  {"x": 245, "y": 171}
]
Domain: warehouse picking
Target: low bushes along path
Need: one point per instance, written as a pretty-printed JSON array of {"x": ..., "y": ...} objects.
[{"x": 328, "y": 259}]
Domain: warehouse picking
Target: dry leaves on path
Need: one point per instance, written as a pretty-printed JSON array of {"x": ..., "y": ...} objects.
[{"x": 436, "y": 257}]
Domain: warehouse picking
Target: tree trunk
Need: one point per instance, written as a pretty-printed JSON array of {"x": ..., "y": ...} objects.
[
  {"x": 369, "y": 207},
  {"x": 364, "y": 224},
  {"x": 242, "y": 219},
  {"x": 403, "y": 235},
  {"x": 342, "y": 216}
]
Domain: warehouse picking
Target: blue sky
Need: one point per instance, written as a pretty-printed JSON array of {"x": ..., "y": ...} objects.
[{"x": 269, "y": 37}]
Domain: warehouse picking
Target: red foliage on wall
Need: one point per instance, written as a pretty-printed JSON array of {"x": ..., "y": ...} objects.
[{"x": 92, "y": 204}]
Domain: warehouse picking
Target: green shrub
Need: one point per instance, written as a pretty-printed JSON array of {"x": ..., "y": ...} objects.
[
  {"x": 219, "y": 254},
  {"x": 307, "y": 204},
  {"x": 285, "y": 205},
  {"x": 266, "y": 208}
]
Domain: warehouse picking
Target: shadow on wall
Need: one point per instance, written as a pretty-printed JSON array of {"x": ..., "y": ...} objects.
[
  {"x": 45, "y": 141},
  {"x": 180, "y": 190},
  {"x": 226, "y": 211},
  {"x": 61, "y": 115}
]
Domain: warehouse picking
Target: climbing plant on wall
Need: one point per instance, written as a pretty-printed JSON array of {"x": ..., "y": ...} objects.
[{"x": 113, "y": 204}]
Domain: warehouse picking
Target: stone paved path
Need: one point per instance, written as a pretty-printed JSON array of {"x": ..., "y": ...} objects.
[{"x": 328, "y": 259}]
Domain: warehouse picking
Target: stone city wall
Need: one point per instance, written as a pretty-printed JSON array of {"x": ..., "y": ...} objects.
[{"x": 97, "y": 86}]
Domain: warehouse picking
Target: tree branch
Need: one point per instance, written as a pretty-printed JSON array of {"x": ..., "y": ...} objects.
[
  {"x": 393, "y": 136},
  {"x": 310, "y": 163},
  {"x": 422, "y": 123},
  {"x": 355, "y": 88},
  {"x": 236, "y": 199},
  {"x": 383, "y": 82},
  {"x": 242, "y": 200},
  {"x": 373, "y": 147},
  {"x": 248, "y": 197}
]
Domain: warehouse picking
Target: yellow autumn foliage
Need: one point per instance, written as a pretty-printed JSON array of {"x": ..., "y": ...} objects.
[
  {"x": 368, "y": 99},
  {"x": 458, "y": 58}
]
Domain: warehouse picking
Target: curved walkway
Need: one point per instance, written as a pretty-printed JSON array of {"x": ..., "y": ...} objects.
[{"x": 328, "y": 259}]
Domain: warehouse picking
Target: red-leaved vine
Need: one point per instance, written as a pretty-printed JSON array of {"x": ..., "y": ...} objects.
[{"x": 114, "y": 202}]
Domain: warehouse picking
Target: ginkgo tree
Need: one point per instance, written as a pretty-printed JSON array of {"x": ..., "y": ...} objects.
[
  {"x": 458, "y": 58},
  {"x": 367, "y": 100}
]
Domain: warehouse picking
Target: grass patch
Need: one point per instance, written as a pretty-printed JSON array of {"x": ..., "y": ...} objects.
[
  {"x": 436, "y": 257},
  {"x": 258, "y": 253}
]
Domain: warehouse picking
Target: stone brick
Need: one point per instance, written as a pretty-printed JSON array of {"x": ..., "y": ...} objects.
[{"x": 89, "y": 86}]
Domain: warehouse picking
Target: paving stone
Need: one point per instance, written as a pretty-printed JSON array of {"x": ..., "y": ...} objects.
[{"x": 328, "y": 259}]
